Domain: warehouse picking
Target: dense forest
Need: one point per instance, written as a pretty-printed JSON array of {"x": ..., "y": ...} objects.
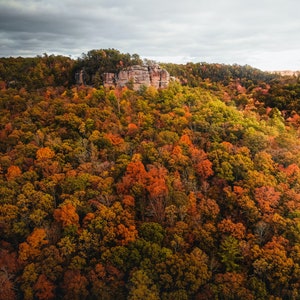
[{"x": 188, "y": 192}]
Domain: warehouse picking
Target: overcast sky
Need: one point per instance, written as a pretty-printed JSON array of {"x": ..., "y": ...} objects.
[{"x": 262, "y": 33}]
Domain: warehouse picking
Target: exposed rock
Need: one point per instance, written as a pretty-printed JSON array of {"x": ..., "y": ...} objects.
[
  {"x": 137, "y": 76},
  {"x": 109, "y": 79},
  {"x": 80, "y": 77}
]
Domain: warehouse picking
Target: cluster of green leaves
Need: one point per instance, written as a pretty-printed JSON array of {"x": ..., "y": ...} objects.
[
  {"x": 56, "y": 70},
  {"x": 97, "y": 62},
  {"x": 194, "y": 74},
  {"x": 179, "y": 193},
  {"x": 283, "y": 94},
  {"x": 36, "y": 72}
]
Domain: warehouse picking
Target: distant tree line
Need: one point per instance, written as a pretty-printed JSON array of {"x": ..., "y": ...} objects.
[{"x": 38, "y": 72}]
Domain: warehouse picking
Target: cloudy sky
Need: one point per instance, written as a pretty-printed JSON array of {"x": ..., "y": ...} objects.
[{"x": 261, "y": 33}]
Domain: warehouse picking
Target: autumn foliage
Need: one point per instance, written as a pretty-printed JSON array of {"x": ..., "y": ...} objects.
[{"x": 188, "y": 192}]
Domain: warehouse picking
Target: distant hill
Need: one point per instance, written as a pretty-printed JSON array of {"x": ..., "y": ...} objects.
[
  {"x": 286, "y": 73},
  {"x": 50, "y": 70}
]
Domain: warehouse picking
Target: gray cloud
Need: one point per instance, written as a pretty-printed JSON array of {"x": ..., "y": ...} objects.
[{"x": 262, "y": 33}]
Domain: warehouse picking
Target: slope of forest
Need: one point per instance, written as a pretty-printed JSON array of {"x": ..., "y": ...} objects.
[{"x": 188, "y": 192}]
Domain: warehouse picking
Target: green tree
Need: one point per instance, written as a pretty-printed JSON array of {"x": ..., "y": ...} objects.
[
  {"x": 230, "y": 253},
  {"x": 142, "y": 287}
]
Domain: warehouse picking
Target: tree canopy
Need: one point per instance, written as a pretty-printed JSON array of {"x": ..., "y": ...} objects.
[{"x": 188, "y": 192}]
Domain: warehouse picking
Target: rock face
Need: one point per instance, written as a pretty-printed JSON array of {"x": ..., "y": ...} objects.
[
  {"x": 109, "y": 79},
  {"x": 80, "y": 77},
  {"x": 137, "y": 76}
]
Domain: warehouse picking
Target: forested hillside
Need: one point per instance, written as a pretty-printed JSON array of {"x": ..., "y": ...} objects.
[{"x": 188, "y": 192}]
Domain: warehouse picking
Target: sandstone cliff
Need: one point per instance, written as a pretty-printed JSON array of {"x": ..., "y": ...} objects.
[{"x": 137, "y": 76}]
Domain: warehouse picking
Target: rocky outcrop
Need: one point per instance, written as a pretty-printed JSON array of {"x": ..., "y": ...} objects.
[
  {"x": 80, "y": 77},
  {"x": 137, "y": 76},
  {"x": 109, "y": 79},
  {"x": 159, "y": 78}
]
